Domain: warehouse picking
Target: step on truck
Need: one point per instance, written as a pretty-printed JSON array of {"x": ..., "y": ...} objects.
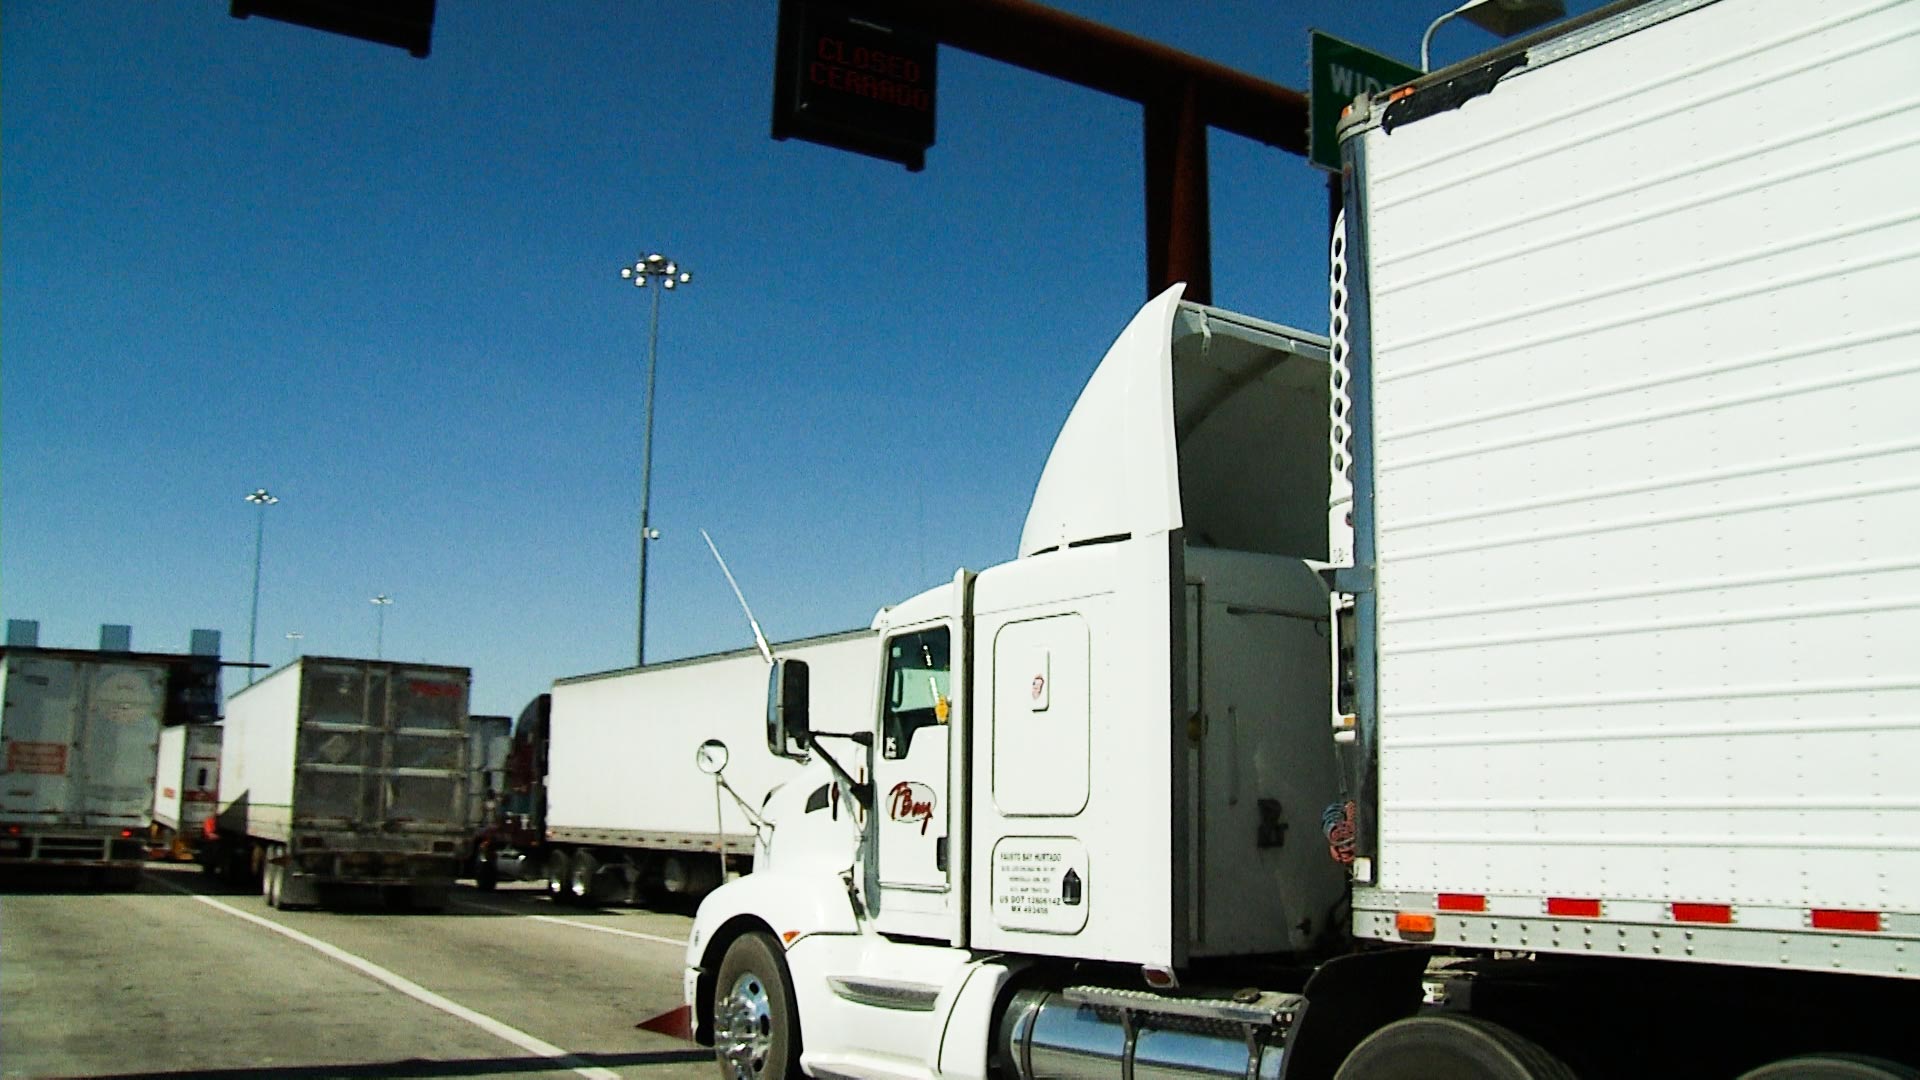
[
  {"x": 628, "y": 816},
  {"x": 345, "y": 772},
  {"x": 1518, "y": 684},
  {"x": 79, "y": 732}
]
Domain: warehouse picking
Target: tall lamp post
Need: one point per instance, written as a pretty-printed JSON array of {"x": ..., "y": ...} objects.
[
  {"x": 261, "y": 498},
  {"x": 1501, "y": 18},
  {"x": 380, "y": 605},
  {"x": 654, "y": 267}
]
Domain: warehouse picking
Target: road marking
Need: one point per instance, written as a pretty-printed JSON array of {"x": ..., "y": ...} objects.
[
  {"x": 413, "y": 990},
  {"x": 676, "y": 942}
]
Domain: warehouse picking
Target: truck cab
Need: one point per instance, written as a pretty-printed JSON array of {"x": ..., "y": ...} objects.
[{"x": 1112, "y": 750}]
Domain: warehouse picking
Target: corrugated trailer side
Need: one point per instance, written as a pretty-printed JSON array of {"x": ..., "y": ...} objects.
[{"x": 1637, "y": 327}]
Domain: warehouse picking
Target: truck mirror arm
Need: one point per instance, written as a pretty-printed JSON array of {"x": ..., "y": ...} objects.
[
  {"x": 759, "y": 823},
  {"x": 862, "y": 792}
]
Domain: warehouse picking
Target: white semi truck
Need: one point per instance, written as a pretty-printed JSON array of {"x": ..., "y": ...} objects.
[
  {"x": 79, "y": 731},
  {"x": 1592, "y": 754},
  {"x": 627, "y": 814},
  {"x": 345, "y": 772}
]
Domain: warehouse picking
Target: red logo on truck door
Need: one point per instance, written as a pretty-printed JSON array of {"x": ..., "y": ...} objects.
[{"x": 910, "y": 802}]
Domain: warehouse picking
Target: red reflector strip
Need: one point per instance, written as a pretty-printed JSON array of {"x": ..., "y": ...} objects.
[
  {"x": 1573, "y": 908},
  {"x": 1707, "y": 913},
  {"x": 1453, "y": 901},
  {"x": 1829, "y": 919}
]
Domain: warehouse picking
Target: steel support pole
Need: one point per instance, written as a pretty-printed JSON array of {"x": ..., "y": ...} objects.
[
  {"x": 253, "y": 620},
  {"x": 646, "y": 481},
  {"x": 1179, "y": 236}
]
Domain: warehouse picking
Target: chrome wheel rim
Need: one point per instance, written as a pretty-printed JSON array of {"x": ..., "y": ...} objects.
[{"x": 743, "y": 1027}]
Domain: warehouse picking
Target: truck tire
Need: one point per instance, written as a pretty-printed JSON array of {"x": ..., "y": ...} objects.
[
  {"x": 583, "y": 878},
  {"x": 756, "y": 1022},
  {"x": 557, "y": 864},
  {"x": 273, "y": 877},
  {"x": 1449, "y": 1048},
  {"x": 1832, "y": 1067}
]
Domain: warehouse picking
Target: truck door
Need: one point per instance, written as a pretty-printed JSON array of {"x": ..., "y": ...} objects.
[{"x": 916, "y": 790}]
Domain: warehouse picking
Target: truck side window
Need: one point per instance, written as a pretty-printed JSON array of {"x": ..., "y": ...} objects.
[{"x": 918, "y": 690}]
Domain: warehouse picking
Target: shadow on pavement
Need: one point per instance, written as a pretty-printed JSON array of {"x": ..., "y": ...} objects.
[{"x": 419, "y": 1067}]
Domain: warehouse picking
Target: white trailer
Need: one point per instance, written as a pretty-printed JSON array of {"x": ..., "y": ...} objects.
[
  {"x": 186, "y": 787},
  {"x": 76, "y": 784},
  {"x": 627, "y": 811},
  {"x": 346, "y": 772},
  {"x": 1595, "y": 759}
]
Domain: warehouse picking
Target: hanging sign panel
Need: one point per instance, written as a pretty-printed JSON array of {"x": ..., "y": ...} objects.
[{"x": 854, "y": 81}]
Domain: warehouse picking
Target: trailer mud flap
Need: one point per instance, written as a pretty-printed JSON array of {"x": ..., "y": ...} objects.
[{"x": 1348, "y": 998}]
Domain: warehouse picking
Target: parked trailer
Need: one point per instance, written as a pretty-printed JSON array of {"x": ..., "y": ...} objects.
[
  {"x": 1621, "y": 675},
  {"x": 627, "y": 814},
  {"x": 346, "y": 772},
  {"x": 186, "y": 790},
  {"x": 76, "y": 785}
]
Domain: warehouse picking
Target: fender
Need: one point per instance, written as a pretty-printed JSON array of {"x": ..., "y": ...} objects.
[{"x": 790, "y": 906}]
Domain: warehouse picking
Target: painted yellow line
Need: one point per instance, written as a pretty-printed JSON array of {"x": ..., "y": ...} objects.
[{"x": 413, "y": 990}]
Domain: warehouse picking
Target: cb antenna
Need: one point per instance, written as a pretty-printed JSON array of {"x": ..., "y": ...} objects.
[{"x": 759, "y": 638}]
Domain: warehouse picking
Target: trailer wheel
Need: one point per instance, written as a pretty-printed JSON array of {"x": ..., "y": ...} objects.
[
  {"x": 1449, "y": 1048},
  {"x": 557, "y": 875},
  {"x": 1832, "y": 1067},
  {"x": 584, "y": 878},
  {"x": 273, "y": 877},
  {"x": 756, "y": 1022}
]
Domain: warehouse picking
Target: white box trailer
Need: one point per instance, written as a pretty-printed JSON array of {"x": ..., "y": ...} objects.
[
  {"x": 1639, "y": 472},
  {"x": 346, "y": 772},
  {"x": 76, "y": 784},
  {"x": 628, "y": 812},
  {"x": 1622, "y": 670},
  {"x": 186, "y": 787}
]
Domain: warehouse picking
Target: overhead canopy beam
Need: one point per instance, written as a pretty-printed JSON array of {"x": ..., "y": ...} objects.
[{"x": 1182, "y": 95}]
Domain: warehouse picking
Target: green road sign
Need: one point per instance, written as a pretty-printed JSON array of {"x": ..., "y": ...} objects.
[{"x": 1342, "y": 72}]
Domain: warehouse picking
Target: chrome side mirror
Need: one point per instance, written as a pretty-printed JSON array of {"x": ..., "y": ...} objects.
[{"x": 789, "y": 731}]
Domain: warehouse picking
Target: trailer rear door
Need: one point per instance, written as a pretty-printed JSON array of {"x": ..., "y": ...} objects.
[
  {"x": 81, "y": 739},
  {"x": 382, "y": 746}
]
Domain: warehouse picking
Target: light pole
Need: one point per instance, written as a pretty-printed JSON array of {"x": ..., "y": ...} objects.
[
  {"x": 670, "y": 276},
  {"x": 1501, "y": 18},
  {"x": 380, "y": 604},
  {"x": 261, "y": 498}
]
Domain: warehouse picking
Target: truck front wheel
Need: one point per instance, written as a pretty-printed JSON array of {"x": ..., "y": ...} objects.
[
  {"x": 756, "y": 1024},
  {"x": 1449, "y": 1048}
]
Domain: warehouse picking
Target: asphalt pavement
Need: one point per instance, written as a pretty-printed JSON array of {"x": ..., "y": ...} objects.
[{"x": 187, "y": 977}]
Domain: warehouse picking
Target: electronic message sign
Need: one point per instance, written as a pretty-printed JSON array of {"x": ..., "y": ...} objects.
[{"x": 849, "y": 77}]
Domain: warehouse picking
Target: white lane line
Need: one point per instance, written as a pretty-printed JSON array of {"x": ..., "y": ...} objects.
[
  {"x": 413, "y": 990},
  {"x": 678, "y": 943}
]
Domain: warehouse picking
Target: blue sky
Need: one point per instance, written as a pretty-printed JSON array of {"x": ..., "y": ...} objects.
[{"x": 237, "y": 253}]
